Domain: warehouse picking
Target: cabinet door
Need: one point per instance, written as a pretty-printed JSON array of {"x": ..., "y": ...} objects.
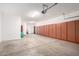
[
  {"x": 39, "y": 30},
  {"x": 58, "y": 32},
  {"x": 71, "y": 31},
  {"x": 63, "y": 31},
  {"x": 43, "y": 30},
  {"x": 54, "y": 30},
  {"x": 51, "y": 30},
  {"x": 77, "y": 31},
  {"x": 47, "y": 30}
]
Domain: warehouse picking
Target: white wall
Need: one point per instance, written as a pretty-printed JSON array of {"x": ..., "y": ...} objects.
[
  {"x": 10, "y": 27},
  {"x": 59, "y": 19},
  {"x": 30, "y": 28}
]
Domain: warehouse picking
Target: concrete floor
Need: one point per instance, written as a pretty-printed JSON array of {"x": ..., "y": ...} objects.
[{"x": 36, "y": 45}]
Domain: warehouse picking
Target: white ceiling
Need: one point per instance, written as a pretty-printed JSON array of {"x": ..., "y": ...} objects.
[{"x": 23, "y": 9}]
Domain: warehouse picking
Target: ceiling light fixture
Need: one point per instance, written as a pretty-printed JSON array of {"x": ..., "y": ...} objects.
[
  {"x": 34, "y": 14},
  {"x": 31, "y": 21}
]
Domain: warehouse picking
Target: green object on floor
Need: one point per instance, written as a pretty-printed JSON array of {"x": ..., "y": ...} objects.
[{"x": 22, "y": 34}]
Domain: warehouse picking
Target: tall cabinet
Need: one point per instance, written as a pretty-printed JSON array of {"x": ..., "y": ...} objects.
[
  {"x": 71, "y": 31},
  {"x": 77, "y": 31}
]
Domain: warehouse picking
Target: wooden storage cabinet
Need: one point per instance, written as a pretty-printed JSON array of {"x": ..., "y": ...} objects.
[
  {"x": 58, "y": 31},
  {"x": 42, "y": 30},
  {"x": 46, "y": 30},
  {"x": 64, "y": 31},
  {"x": 71, "y": 31},
  {"x": 38, "y": 30},
  {"x": 68, "y": 31},
  {"x": 77, "y": 31},
  {"x": 54, "y": 30},
  {"x": 51, "y": 30}
]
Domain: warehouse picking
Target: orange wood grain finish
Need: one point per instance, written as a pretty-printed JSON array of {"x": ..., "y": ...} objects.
[
  {"x": 77, "y": 31},
  {"x": 64, "y": 31},
  {"x": 58, "y": 31},
  {"x": 54, "y": 30},
  {"x": 71, "y": 31},
  {"x": 68, "y": 31},
  {"x": 51, "y": 31}
]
